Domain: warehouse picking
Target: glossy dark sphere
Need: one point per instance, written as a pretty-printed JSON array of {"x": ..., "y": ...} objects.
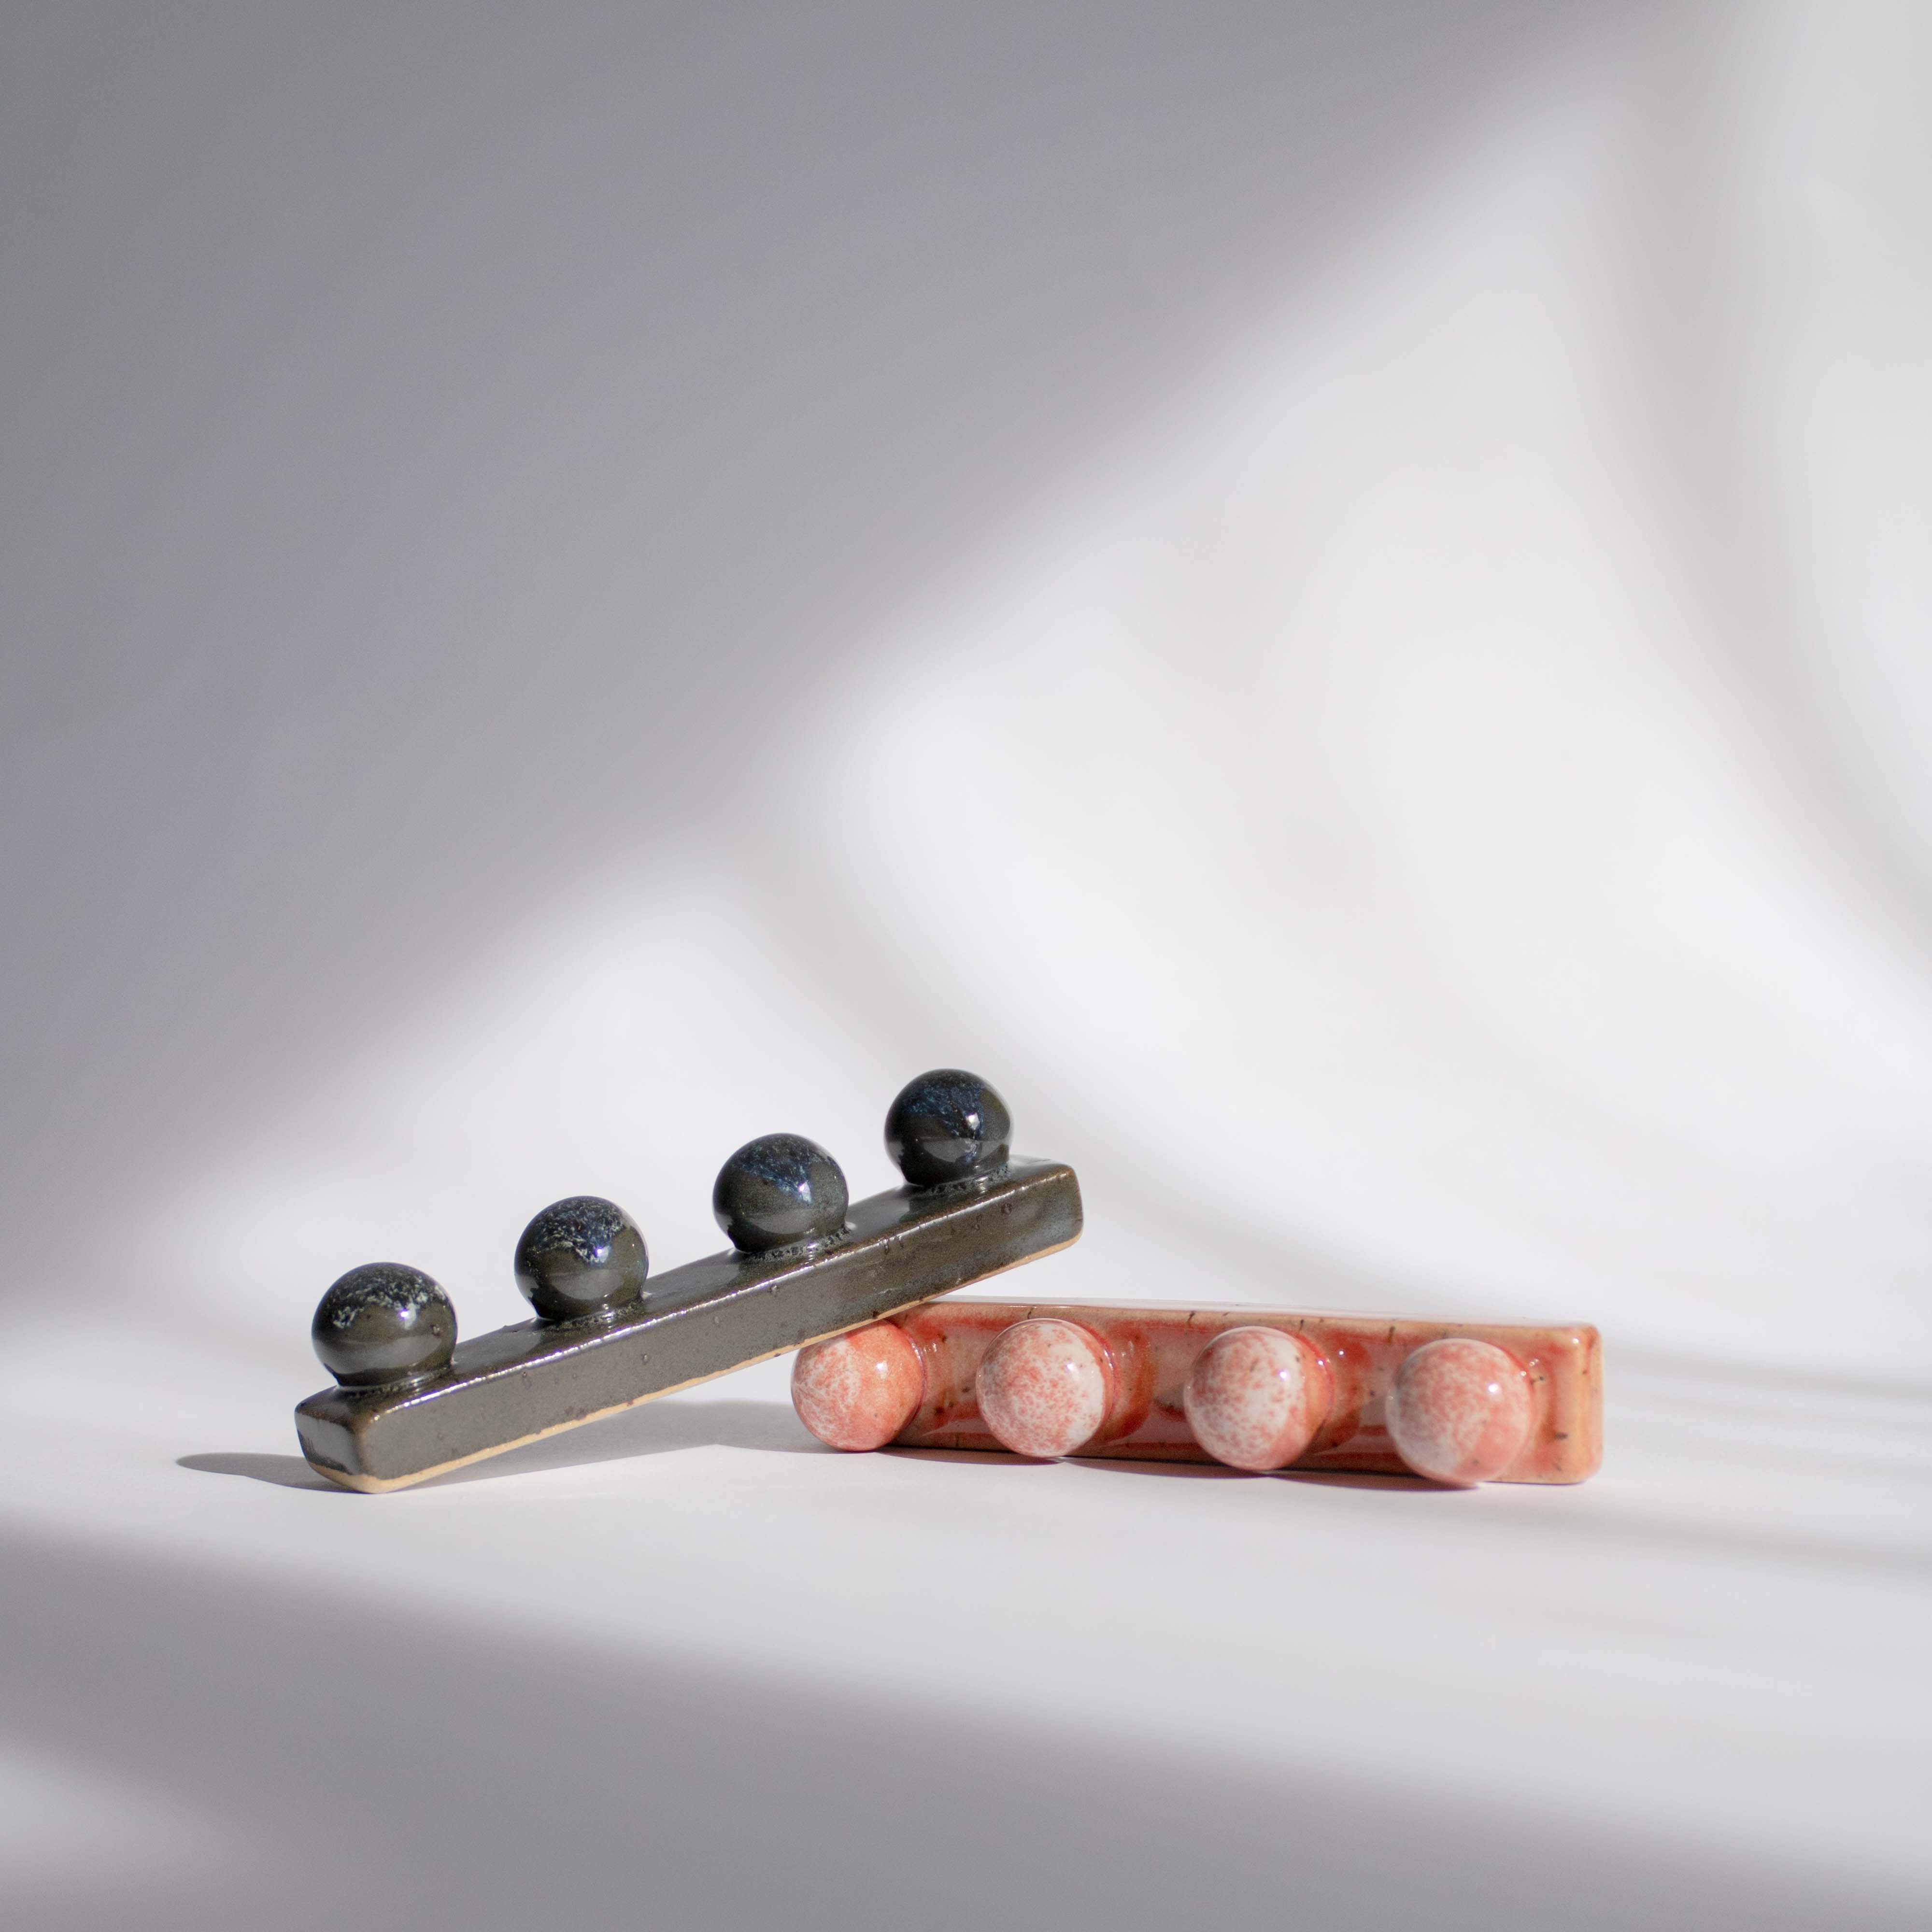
[
  {"x": 384, "y": 1323},
  {"x": 947, "y": 1126},
  {"x": 580, "y": 1258},
  {"x": 778, "y": 1190}
]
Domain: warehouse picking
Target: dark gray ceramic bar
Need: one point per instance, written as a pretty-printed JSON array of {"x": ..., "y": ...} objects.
[{"x": 702, "y": 1320}]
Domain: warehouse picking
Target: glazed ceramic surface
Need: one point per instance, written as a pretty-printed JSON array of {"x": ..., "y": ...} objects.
[
  {"x": 1152, "y": 1353},
  {"x": 1460, "y": 1410},
  {"x": 695, "y": 1322},
  {"x": 856, "y": 1390},
  {"x": 1045, "y": 1388},
  {"x": 1255, "y": 1396}
]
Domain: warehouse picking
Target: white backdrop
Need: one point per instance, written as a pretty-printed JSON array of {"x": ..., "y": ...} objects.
[{"x": 1338, "y": 601}]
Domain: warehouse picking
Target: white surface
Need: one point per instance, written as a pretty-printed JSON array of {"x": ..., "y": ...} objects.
[
  {"x": 689, "y": 1659},
  {"x": 1343, "y": 614}
]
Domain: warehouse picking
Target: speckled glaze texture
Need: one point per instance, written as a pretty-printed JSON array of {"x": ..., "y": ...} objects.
[
  {"x": 948, "y": 1127},
  {"x": 1044, "y": 1388},
  {"x": 807, "y": 1263},
  {"x": 778, "y": 1193},
  {"x": 1153, "y": 1353},
  {"x": 384, "y": 1324},
  {"x": 580, "y": 1259},
  {"x": 1459, "y": 1410},
  {"x": 857, "y": 1391},
  {"x": 1255, "y": 1396},
  {"x": 519, "y": 1384}
]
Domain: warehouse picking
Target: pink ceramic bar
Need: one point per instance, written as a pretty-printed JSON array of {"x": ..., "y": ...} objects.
[{"x": 1152, "y": 1350}]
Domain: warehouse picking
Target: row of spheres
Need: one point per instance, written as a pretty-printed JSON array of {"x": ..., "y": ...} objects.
[
  {"x": 584, "y": 1259},
  {"x": 1459, "y": 1409}
]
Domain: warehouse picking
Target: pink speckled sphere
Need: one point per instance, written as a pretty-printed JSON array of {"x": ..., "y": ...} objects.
[
  {"x": 1255, "y": 1396},
  {"x": 1460, "y": 1411},
  {"x": 857, "y": 1391},
  {"x": 1045, "y": 1387}
]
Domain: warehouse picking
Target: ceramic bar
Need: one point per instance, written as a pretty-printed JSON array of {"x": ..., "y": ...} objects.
[
  {"x": 1458, "y": 1402},
  {"x": 696, "y": 1321},
  {"x": 411, "y": 1403}
]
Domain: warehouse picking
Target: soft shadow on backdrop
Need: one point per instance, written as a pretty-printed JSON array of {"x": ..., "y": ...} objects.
[
  {"x": 1333, "y": 595},
  {"x": 454, "y": 457}
]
